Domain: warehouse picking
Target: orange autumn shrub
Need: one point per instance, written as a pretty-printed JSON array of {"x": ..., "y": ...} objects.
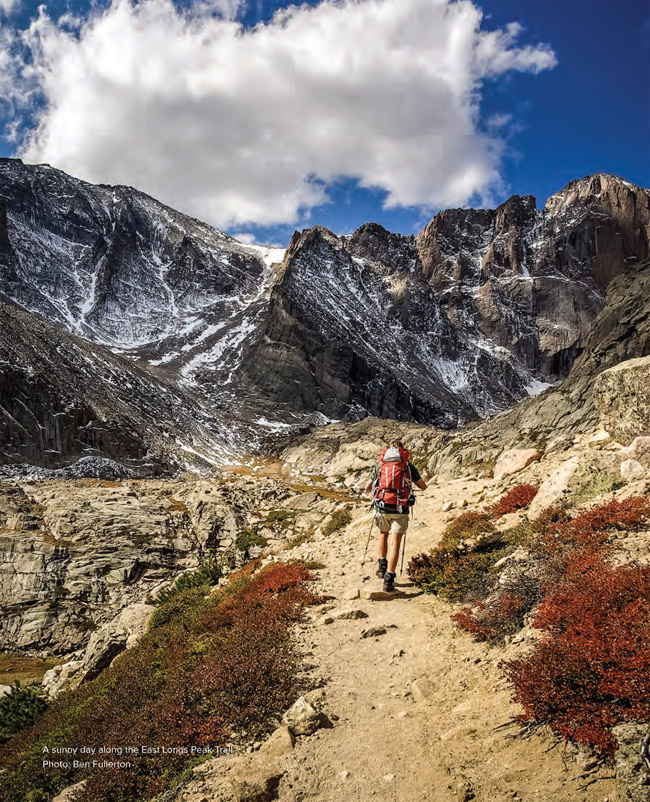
[
  {"x": 210, "y": 667},
  {"x": 592, "y": 671},
  {"x": 518, "y": 498}
]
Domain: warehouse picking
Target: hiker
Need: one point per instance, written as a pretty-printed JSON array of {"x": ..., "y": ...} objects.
[{"x": 391, "y": 482}]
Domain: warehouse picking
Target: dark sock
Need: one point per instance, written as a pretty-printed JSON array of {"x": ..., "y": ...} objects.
[{"x": 383, "y": 562}]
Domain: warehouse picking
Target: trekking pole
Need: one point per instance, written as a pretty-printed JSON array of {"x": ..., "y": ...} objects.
[
  {"x": 372, "y": 520},
  {"x": 401, "y": 570}
]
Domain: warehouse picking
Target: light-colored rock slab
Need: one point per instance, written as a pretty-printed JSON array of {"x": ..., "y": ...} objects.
[
  {"x": 622, "y": 398},
  {"x": 255, "y": 780},
  {"x": 302, "y": 718},
  {"x": 553, "y": 489},
  {"x": 281, "y": 742},
  {"x": 639, "y": 450},
  {"x": 631, "y": 470},
  {"x": 514, "y": 460},
  {"x": 351, "y": 613}
]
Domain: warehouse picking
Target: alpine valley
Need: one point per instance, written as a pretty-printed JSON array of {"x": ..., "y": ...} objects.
[
  {"x": 187, "y": 427},
  {"x": 133, "y": 333}
]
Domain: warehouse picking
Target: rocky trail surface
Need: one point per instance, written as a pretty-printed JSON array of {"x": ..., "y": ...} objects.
[{"x": 413, "y": 708}]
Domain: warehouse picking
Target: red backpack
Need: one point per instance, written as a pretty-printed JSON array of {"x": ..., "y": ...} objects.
[{"x": 392, "y": 486}]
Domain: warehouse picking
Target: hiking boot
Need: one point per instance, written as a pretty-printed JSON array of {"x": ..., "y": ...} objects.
[
  {"x": 382, "y": 567},
  {"x": 389, "y": 582}
]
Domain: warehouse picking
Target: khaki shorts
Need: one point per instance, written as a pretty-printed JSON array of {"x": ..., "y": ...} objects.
[{"x": 392, "y": 522}]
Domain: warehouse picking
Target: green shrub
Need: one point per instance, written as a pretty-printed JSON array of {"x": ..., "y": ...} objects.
[
  {"x": 248, "y": 538},
  {"x": 277, "y": 516},
  {"x": 20, "y": 708},
  {"x": 208, "y": 573},
  {"x": 451, "y": 574},
  {"x": 340, "y": 519},
  {"x": 468, "y": 526},
  {"x": 457, "y": 572}
]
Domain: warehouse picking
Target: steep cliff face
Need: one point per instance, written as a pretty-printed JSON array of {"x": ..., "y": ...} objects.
[
  {"x": 111, "y": 263},
  {"x": 63, "y": 398},
  {"x": 354, "y": 327},
  {"x": 481, "y": 308},
  {"x": 455, "y": 324}
]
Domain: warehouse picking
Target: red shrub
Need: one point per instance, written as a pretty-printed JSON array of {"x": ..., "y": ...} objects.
[
  {"x": 209, "y": 666},
  {"x": 494, "y": 621},
  {"x": 593, "y": 669},
  {"x": 590, "y": 530},
  {"x": 516, "y": 499}
]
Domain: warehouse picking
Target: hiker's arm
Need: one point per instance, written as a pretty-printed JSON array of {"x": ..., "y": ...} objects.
[
  {"x": 368, "y": 485},
  {"x": 421, "y": 484}
]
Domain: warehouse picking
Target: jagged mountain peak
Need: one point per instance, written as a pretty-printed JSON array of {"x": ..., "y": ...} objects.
[
  {"x": 480, "y": 308},
  {"x": 594, "y": 187}
]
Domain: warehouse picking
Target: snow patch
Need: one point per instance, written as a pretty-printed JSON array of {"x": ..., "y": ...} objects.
[{"x": 536, "y": 387}]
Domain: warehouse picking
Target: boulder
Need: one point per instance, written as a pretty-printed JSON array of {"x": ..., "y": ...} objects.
[
  {"x": 622, "y": 398},
  {"x": 255, "y": 780},
  {"x": 632, "y": 775},
  {"x": 4, "y": 689},
  {"x": 514, "y": 460},
  {"x": 352, "y": 613},
  {"x": 65, "y": 675},
  {"x": 639, "y": 450},
  {"x": 553, "y": 489},
  {"x": 279, "y": 743},
  {"x": 373, "y": 632},
  {"x": 304, "y": 501},
  {"x": 104, "y": 646},
  {"x": 302, "y": 718},
  {"x": 631, "y": 470}
]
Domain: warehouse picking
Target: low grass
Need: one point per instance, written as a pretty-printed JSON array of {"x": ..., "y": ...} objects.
[
  {"x": 14, "y": 666},
  {"x": 247, "y": 538}
]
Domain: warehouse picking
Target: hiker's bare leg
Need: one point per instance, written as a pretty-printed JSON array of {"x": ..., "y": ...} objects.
[
  {"x": 383, "y": 545},
  {"x": 394, "y": 543}
]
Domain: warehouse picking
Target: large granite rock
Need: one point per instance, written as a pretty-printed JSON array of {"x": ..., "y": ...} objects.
[
  {"x": 632, "y": 774},
  {"x": 514, "y": 460},
  {"x": 622, "y": 397},
  {"x": 75, "y": 554},
  {"x": 554, "y": 489}
]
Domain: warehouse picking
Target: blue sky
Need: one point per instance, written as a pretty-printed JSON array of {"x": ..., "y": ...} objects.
[{"x": 588, "y": 113}]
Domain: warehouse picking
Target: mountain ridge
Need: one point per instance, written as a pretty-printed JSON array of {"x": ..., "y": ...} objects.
[{"x": 480, "y": 309}]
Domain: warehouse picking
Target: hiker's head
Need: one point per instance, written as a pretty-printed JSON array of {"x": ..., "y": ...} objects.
[{"x": 396, "y": 444}]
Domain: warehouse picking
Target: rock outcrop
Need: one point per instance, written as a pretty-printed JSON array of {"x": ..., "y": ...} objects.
[
  {"x": 82, "y": 560},
  {"x": 622, "y": 398}
]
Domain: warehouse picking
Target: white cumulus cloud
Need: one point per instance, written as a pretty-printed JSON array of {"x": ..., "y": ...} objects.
[
  {"x": 239, "y": 126},
  {"x": 8, "y": 5}
]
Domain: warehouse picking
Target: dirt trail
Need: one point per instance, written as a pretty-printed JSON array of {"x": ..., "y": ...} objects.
[{"x": 436, "y": 740}]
